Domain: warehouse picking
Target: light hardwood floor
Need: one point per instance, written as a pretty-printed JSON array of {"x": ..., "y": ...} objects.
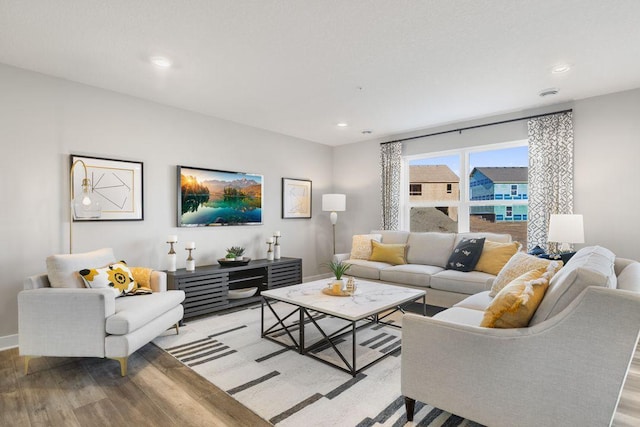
[{"x": 159, "y": 391}]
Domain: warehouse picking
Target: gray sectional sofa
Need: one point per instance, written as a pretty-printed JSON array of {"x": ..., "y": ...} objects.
[{"x": 427, "y": 255}]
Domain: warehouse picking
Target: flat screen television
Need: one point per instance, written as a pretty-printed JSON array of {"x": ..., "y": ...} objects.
[{"x": 210, "y": 197}]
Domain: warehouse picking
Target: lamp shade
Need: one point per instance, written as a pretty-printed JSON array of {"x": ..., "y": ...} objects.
[
  {"x": 566, "y": 229},
  {"x": 334, "y": 202}
]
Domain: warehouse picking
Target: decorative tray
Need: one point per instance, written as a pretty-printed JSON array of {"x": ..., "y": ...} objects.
[
  {"x": 242, "y": 293},
  {"x": 329, "y": 291},
  {"x": 225, "y": 263}
]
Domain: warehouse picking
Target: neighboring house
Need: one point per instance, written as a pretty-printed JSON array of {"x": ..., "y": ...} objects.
[
  {"x": 434, "y": 183},
  {"x": 500, "y": 183}
]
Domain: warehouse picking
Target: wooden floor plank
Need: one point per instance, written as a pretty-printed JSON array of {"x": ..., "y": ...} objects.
[
  {"x": 13, "y": 410},
  {"x": 101, "y": 413}
]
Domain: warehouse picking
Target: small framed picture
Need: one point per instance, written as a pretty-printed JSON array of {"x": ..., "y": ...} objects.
[
  {"x": 116, "y": 184},
  {"x": 296, "y": 198}
]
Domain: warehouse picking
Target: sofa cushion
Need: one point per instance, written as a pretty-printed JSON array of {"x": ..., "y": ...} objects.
[
  {"x": 466, "y": 254},
  {"x": 461, "y": 282},
  {"x": 430, "y": 248},
  {"x": 116, "y": 276},
  {"x": 515, "y": 304},
  {"x": 495, "y": 255},
  {"x": 392, "y": 253},
  {"x": 590, "y": 266},
  {"x": 410, "y": 274},
  {"x": 62, "y": 270},
  {"x": 366, "y": 269},
  {"x": 461, "y": 315},
  {"x": 134, "y": 312},
  {"x": 392, "y": 236},
  {"x": 517, "y": 265},
  {"x": 479, "y": 301},
  {"x": 361, "y": 245},
  {"x": 494, "y": 237},
  {"x": 629, "y": 278}
]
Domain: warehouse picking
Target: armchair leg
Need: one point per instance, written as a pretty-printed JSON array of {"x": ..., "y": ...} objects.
[
  {"x": 27, "y": 359},
  {"x": 123, "y": 365},
  {"x": 177, "y": 330},
  {"x": 410, "y": 405}
]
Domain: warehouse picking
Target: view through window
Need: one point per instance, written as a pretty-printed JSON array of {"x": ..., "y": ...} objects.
[{"x": 491, "y": 196}]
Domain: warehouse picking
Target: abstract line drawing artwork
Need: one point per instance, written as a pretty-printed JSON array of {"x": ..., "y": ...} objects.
[
  {"x": 116, "y": 184},
  {"x": 296, "y": 198}
]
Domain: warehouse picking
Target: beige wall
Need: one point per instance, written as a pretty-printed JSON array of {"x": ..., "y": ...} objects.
[
  {"x": 607, "y": 149},
  {"x": 44, "y": 119}
]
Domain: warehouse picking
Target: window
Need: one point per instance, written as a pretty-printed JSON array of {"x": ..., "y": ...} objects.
[
  {"x": 415, "y": 189},
  {"x": 490, "y": 196}
]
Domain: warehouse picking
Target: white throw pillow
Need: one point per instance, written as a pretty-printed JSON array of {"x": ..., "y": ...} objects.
[
  {"x": 63, "y": 269},
  {"x": 361, "y": 245}
]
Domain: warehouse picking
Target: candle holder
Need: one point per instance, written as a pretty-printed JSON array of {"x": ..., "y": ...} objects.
[
  {"x": 172, "y": 257},
  {"x": 191, "y": 263},
  {"x": 269, "y": 252},
  {"x": 276, "y": 247}
]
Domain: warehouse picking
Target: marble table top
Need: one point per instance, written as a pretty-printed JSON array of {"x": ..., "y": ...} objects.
[{"x": 370, "y": 298}]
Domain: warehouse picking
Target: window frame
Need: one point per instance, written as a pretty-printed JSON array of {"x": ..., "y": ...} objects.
[{"x": 463, "y": 203}]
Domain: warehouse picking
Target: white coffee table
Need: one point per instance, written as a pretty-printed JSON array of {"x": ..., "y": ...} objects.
[{"x": 369, "y": 301}]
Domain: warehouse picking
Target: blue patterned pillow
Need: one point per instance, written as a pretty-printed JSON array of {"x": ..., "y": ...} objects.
[{"x": 466, "y": 255}]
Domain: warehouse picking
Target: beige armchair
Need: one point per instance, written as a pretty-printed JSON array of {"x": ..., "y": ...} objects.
[{"x": 74, "y": 321}]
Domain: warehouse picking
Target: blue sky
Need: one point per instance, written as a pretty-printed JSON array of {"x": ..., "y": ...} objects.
[{"x": 516, "y": 156}]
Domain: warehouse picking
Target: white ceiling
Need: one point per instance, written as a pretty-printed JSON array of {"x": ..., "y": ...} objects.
[{"x": 299, "y": 67}]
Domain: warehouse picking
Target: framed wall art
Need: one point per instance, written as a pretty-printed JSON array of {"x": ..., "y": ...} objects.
[
  {"x": 296, "y": 198},
  {"x": 116, "y": 185}
]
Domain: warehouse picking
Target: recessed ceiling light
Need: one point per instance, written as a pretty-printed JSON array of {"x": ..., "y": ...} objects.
[
  {"x": 549, "y": 92},
  {"x": 342, "y": 125},
  {"x": 561, "y": 68},
  {"x": 161, "y": 61},
  {"x": 367, "y": 132}
]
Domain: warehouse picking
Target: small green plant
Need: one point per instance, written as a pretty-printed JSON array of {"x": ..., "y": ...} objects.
[
  {"x": 338, "y": 268},
  {"x": 236, "y": 251}
]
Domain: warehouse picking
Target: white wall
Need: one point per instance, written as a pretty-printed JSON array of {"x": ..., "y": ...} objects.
[
  {"x": 607, "y": 149},
  {"x": 44, "y": 119}
]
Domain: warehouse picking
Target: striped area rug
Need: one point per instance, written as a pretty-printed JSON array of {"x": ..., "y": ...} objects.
[{"x": 289, "y": 389}]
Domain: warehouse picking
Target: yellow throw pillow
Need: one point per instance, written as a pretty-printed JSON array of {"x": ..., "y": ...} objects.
[
  {"x": 516, "y": 303},
  {"x": 495, "y": 255},
  {"x": 116, "y": 276},
  {"x": 361, "y": 245},
  {"x": 391, "y": 253},
  {"x": 142, "y": 277},
  {"x": 519, "y": 264}
]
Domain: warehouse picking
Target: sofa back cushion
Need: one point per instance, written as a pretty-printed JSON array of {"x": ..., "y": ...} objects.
[
  {"x": 392, "y": 236},
  {"x": 494, "y": 237},
  {"x": 430, "y": 248},
  {"x": 63, "y": 269},
  {"x": 629, "y": 278},
  {"x": 590, "y": 266}
]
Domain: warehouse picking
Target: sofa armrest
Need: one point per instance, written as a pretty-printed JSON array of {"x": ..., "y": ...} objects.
[
  {"x": 341, "y": 257},
  {"x": 64, "y": 321},
  {"x": 158, "y": 281},
  {"x": 568, "y": 370}
]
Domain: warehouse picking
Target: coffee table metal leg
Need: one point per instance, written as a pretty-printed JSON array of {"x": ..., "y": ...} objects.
[
  {"x": 301, "y": 329},
  {"x": 354, "y": 370}
]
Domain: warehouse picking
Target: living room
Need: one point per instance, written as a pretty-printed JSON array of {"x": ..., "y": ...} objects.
[{"x": 50, "y": 111}]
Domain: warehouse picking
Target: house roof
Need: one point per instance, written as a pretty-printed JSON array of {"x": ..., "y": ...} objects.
[
  {"x": 432, "y": 173},
  {"x": 505, "y": 174}
]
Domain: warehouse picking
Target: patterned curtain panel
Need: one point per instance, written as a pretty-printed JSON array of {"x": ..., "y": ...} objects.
[
  {"x": 390, "y": 165},
  {"x": 550, "y": 174}
]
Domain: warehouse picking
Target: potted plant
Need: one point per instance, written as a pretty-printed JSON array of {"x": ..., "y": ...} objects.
[
  {"x": 235, "y": 252},
  {"x": 338, "y": 268}
]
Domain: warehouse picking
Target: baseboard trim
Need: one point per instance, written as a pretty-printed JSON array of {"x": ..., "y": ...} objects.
[
  {"x": 9, "y": 341},
  {"x": 316, "y": 277}
]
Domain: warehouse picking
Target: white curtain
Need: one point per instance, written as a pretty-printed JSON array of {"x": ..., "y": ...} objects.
[
  {"x": 550, "y": 174},
  {"x": 390, "y": 166}
]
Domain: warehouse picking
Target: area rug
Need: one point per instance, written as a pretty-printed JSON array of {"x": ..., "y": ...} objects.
[{"x": 289, "y": 389}]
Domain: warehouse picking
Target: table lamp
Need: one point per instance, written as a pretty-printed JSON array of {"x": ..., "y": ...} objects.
[
  {"x": 334, "y": 203},
  {"x": 566, "y": 230}
]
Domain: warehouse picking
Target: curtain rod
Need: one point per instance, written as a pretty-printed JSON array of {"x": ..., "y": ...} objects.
[{"x": 477, "y": 126}]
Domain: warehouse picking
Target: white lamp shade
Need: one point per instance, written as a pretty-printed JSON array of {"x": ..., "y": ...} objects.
[
  {"x": 334, "y": 202},
  {"x": 566, "y": 229}
]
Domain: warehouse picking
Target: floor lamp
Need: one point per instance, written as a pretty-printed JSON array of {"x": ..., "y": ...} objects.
[
  {"x": 334, "y": 203},
  {"x": 84, "y": 205}
]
